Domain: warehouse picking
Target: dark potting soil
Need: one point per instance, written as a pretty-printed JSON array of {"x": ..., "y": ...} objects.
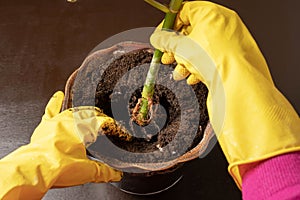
[{"x": 118, "y": 92}]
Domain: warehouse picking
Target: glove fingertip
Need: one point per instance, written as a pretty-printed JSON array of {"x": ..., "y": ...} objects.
[
  {"x": 167, "y": 58},
  {"x": 59, "y": 96},
  {"x": 180, "y": 72},
  {"x": 106, "y": 173},
  {"x": 54, "y": 105},
  {"x": 177, "y": 76},
  {"x": 192, "y": 80}
]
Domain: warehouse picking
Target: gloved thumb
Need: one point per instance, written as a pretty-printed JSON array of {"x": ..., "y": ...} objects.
[
  {"x": 165, "y": 40},
  {"x": 54, "y": 105}
]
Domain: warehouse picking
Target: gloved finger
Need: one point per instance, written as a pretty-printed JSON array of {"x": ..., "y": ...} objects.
[
  {"x": 180, "y": 72},
  {"x": 188, "y": 67},
  {"x": 110, "y": 127},
  {"x": 86, "y": 123},
  {"x": 107, "y": 174},
  {"x": 165, "y": 41},
  {"x": 186, "y": 30},
  {"x": 192, "y": 80},
  {"x": 182, "y": 18},
  {"x": 178, "y": 23},
  {"x": 84, "y": 170},
  {"x": 91, "y": 121},
  {"x": 167, "y": 58},
  {"x": 181, "y": 25},
  {"x": 54, "y": 105}
]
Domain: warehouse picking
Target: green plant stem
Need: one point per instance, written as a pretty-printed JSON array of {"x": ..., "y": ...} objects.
[
  {"x": 158, "y": 5},
  {"x": 148, "y": 89}
]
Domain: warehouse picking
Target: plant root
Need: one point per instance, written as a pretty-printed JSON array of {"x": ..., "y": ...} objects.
[{"x": 137, "y": 117}]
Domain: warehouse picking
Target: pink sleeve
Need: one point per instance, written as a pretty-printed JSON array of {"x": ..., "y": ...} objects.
[{"x": 277, "y": 178}]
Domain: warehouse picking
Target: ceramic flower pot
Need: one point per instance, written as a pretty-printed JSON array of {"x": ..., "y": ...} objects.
[{"x": 143, "y": 174}]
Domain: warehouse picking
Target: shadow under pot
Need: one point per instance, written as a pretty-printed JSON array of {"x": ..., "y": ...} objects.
[{"x": 179, "y": 130}]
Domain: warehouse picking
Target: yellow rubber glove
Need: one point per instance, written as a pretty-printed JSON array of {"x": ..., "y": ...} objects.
[
  {"x": 56, "y": 155},
  {"x": 252, "y": 119}
]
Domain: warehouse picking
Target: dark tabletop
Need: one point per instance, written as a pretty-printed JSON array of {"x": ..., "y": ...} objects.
[{"x": 43, "y": 42}]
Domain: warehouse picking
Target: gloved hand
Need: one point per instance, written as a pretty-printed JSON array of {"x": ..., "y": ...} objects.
[
  {"x": 56, "y": 155},
  {"x": 252, "y": 119}
]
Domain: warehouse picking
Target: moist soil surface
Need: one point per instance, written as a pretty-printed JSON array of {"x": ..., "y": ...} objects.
[{"x": 118, "y": 92}]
